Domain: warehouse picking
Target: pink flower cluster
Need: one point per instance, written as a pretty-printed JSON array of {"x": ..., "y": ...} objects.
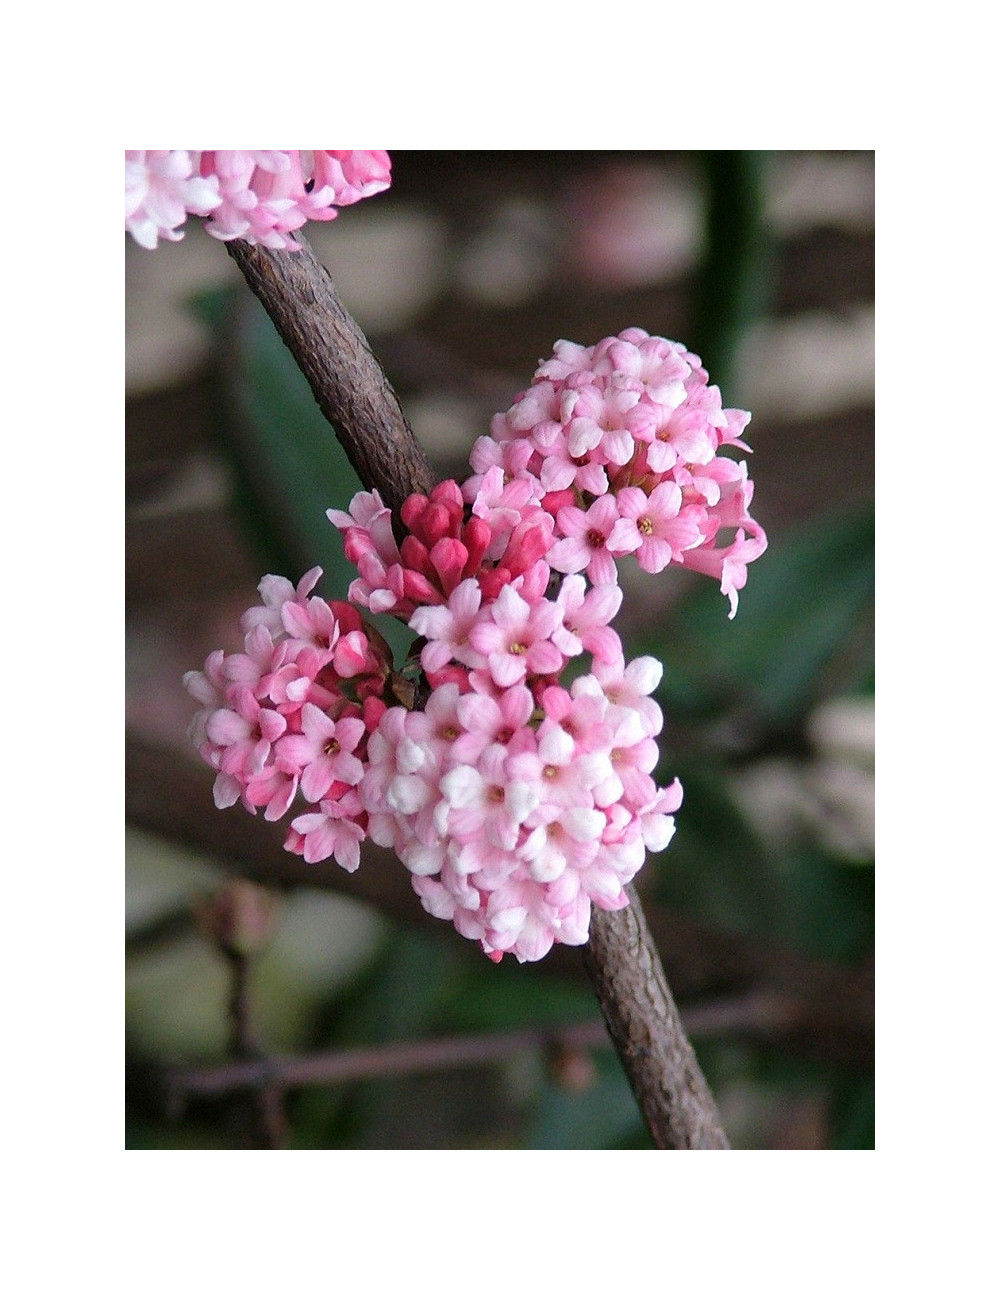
[
  {"x": 257, "y": 195},
  {"x": 516, "y": 799},
  {"x": 623, "y": 440},
  {"x": 292, "y": 714}
]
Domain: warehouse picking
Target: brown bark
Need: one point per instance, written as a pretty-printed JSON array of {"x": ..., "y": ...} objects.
[
  {"x": 645, "y": 1028},
  {"x": 352, "y": 391},
  {"x": 347, "y": 381}
]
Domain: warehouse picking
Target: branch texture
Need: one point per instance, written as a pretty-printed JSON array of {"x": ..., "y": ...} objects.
[
  {"x": 354, "y": 394},
  {"x": 347, "y": 381},
  {"x": 645, "y": 1027}
]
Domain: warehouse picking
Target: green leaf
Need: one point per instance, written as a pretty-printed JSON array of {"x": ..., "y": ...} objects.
[
  {"x": 735, "y": 276},
  {"x": 854, "y": 1115},
  {"x": 803, "y": 628},
  {"x": 715, "y": 868},
  {"x": 829, "y": 906},
  {"x": 602, "y": 1116},
  {"x": 483, "y": 997}
]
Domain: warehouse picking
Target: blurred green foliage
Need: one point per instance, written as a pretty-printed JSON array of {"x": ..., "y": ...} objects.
[{"x": 793, "y": 642}]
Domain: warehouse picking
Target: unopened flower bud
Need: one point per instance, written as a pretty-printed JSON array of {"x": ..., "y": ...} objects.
[{"x": 240, "y": 917}]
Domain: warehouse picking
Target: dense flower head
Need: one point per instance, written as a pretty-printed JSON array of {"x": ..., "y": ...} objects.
[
  {"x": 635, "y": 429},
  {"x": 511, "y": 762},
  {"x": 292, "y": 712},
  {"x": 261, "y": 196}
]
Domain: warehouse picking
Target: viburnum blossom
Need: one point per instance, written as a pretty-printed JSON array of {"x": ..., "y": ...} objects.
[
  {"x": 261, "y": 196},
  {"x": 578, "y": 410},
  {"x": 511, "y": 761}
]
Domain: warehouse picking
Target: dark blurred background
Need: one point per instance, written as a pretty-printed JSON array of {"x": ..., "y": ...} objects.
[{"x": 463, "y": 275}]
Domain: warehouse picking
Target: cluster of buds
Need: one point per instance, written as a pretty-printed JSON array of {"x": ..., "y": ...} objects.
[
  {"x": 516, "y": 786},
  {"x": 260, "y": 196}
]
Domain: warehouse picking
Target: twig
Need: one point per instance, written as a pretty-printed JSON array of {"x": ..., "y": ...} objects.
[
  {"x": 645, "y": 1028},
  {"x": 349, "y": 1065},
  {"x": 237, "y": 922},
  {"x": 396, "y": 1059},
  {"x": 347, "y": 381},
  {"x": 242, "y": 1039},
  {"x": 353, "y": 393},
  {"x": 265, "y": 1103}
]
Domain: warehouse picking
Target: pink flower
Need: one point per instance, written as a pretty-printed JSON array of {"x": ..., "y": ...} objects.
[
  {"x": 502, "y": 505},
  {"x": 322, "y": 753},
  {"x": 592, "y": 540},
  {"x": 161, "y": 187},
  {"x": 682, "y": 436},
  {"x": 492, "y": 720},
  {"x": 244, "y": 734},
  {"x": 626, "y": 687},
  {"x": 581, "y": 715},
  {"x": 209, "y": 689},
  {"x": 372, "y": 520},
  {"x": 562, "y": 839},
  {"x": 256, "y": 663},
  {"x": 587, "y": 615},
  {"x": 655, "y": 819},
  {"x": 729, "y": 563},
  {"x": 657, "y": 365},
  {"x": 562, "y": 778},
  {"x": 447, "y": 628},
  {"x": 660, "y": 529},
  {"x": 351, "y": 174},
  {"x": 276, "y": 592},
  {"x": 516, "y": 637},
  {"x": 331, "y": 832},
  {"x": 292, "y": 680},
  {"x": 597, "y": 419},
  {"x": 515, "y": 802},
  {"x": 273, "y": 791},
  {"x": 486, "y": 807},
  {"x": 632, "y": 413},
  {"x": 562, "y": 469},
  {"x": 261, "y": 196},
  {"x": 511, "y": 458}
]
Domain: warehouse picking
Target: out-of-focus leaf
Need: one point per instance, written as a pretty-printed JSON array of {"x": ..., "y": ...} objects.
[
  {"x": 604, "y": 1115},
  {"x": 715, "y": 867},
  {"x": 289, "y": 465},
  {"x": 175, "y": 1002},
  {"x": 734, "y": 280},
  {"x": 854, "y": 1115},
  {"x": 800, "y": 630},
  {"x": 486, "y": 997},
  {"x": 398, "y": 995},
  {"x": 829, "y": 906},
  {"x": 394, "y": 999}
]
